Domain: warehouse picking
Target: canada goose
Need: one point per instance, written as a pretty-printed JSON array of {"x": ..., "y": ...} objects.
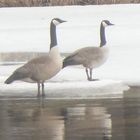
[
  {"x": 41, "y": 68},
  {"x": 90, "y": 57}
]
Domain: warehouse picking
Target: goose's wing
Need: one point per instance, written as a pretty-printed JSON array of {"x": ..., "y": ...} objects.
[
  {"x": 18, "y": 74},
  {"x": 30, "y": 68},
  {"x": 39, "y": 60},
  {"x": 72, "y": 59},
  {"x": 41, "y": 64},
  {"x": 78, "y": 57}
]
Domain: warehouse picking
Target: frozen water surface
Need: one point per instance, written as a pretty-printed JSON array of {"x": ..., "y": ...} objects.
[
  {"x": 27, "y": 30},
  {"x": 64, "y": 85}
]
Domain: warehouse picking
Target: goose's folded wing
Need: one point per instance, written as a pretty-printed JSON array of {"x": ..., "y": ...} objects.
[
  {"x": 18, "y": 74},
  {"x": 73, "y": 59}
]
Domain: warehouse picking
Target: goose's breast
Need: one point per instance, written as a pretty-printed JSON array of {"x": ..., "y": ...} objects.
[
  {"x": 29, "y": 80},
  {"x": 98, "y": 58},
  {"x": 48, "y": 70}
]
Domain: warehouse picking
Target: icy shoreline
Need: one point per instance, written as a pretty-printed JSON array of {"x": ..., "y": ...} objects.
[
  {"x": 27, "y": 30},
  {"x": 70, "y": 83},
  {"x": 67, "y": 90}
]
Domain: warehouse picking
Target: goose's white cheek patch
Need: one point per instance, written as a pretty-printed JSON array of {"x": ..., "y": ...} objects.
[
  {"x": 55, "y": 22},
  {"x": 104, "y": 24}
]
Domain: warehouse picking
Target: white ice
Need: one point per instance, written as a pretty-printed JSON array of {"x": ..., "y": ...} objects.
[{"x": 27, "y": 29}]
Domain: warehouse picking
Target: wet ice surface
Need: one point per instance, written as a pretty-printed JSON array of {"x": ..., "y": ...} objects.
[
  {"x": 73, "y": 109},
  {"x": 100, "y": 119},
  {"x": 67, "y": 90},
  {"x": 70, "y": 83}
]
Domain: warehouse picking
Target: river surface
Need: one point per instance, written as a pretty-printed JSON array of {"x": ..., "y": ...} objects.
[{"x": 98, "y": 119}]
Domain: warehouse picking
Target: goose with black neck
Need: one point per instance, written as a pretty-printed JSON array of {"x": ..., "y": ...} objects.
[
  {"x": 90, "y": 57},
  {"x": 40, "y": 69}
]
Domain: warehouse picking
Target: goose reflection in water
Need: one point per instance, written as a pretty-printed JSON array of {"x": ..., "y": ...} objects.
[{"x": 52, "y": 121}]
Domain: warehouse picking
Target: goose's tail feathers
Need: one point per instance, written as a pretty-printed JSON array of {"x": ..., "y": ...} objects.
[
  {"x": 10, "y": 79},
  {"x": 70, "y": 61},
  {"x": 18, "y": 75}
]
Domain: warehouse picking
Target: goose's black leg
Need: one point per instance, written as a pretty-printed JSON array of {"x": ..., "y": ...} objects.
[
  {"x": 43, "y": 92},
  {"x": 91, "y": 79},
  {"x": 38, "y": 85},
  {"x": 90, "y": 71},
  {"x": 87, "y": 74}
]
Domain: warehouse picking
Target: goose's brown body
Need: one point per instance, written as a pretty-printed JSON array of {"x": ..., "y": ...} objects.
[
  {"x": 41, "y": 68},
  {"x": 90, "y": 57}
]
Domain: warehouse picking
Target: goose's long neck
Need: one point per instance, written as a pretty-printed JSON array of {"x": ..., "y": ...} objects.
[
  {"x": 102, "y": 36},
  {"x": 53, "y": 36}
]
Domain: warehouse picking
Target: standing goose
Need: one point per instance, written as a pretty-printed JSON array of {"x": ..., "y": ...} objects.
[
  {"x": 90, "y": 57},
  {"x": 41, "y": 68}
]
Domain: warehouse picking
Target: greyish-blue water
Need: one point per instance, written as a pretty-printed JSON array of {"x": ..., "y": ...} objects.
[{"x": 97, "y": 119}]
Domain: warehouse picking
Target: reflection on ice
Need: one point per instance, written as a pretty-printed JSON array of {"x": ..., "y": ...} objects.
[
  {"x": 42, "y": 120},
  {"x": 93, "y": 118},
  {"x": 34, "y": 122},
  {"x": 102, "y": 119}
]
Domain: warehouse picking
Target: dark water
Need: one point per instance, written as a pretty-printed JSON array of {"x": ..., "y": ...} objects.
[{"x": 42, "y": 119}]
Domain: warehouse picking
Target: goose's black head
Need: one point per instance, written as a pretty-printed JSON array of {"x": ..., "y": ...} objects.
[
  {"x": 106, "y": 23},
  {"x": 57, "y": 21}
]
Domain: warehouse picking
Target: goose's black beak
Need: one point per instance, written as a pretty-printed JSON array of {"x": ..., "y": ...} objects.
[
  {"x": 111, "y": 24},
  {"x": 63, "y": 21}
]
